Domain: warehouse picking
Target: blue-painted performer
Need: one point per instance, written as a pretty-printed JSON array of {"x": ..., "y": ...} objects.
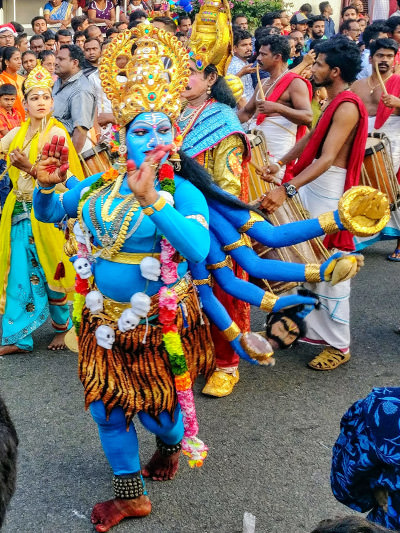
[
  {"x": 143, "y": 340},
  {"x": 31, "y": 253}
]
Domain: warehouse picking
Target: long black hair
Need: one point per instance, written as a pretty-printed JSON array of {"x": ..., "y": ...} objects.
[
  {"x": 220, "y": 90},
  {"x": 192, "y": 171}
]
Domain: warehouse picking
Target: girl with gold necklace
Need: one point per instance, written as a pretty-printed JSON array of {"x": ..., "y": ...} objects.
[{"x": 31, "y": 251}]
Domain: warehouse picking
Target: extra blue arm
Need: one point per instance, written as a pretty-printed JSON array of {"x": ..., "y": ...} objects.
[
  {"x": 273, "y": 236},
  {"x": 215, "y": 311}
]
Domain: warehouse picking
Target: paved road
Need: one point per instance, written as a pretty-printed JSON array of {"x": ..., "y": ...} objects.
[{"x": 270, "y": 442}]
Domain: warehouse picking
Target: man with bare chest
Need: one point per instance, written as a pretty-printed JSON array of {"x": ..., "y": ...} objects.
[
  {"x": 329, "y": 163},
  {"x": 383, "y": 117},
  {"x": 286, "y": 111}
]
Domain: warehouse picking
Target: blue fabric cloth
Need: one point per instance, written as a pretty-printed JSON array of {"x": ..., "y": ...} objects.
[
  {"x": 216, "y": 122},
  {"x": 329, "y": 27},
  {"x": 366, "y": 456},
  {"x": 27, "y": 292}
]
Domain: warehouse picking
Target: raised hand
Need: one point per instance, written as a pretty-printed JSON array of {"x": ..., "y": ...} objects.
[
  {"x": 53, "y": 164},
  {"x": 141, "y": 180}
]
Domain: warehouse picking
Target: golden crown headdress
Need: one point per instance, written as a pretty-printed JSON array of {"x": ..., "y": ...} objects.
[
  {"x": 38, "y": 78},
  {"x": 144, "y": 69},
  {"x": 211, "y": 40}
]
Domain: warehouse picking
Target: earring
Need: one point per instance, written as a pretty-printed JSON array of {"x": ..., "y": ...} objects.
[
  {"x": 122, "y": 151},
  {"x": 208, "y": 90}
]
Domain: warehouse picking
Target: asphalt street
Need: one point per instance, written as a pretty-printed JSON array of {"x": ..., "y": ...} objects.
[{"x": 270, "y": 441}]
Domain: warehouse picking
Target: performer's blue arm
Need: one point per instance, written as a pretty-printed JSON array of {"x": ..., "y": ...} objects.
[
  {"x": 188, "y": 235},
  {"x": 48, "y": 207},
  {"x": 273, "y": 236}
]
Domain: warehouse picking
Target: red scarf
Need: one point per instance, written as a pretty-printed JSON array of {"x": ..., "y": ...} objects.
[
  {"x": 342, "y": 239},
  {"x": 383, "y": 112},
  {"x": 279, "y": 89}
]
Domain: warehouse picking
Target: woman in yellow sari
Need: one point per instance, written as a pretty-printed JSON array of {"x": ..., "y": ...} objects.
[{"x": 30, "y": 251}]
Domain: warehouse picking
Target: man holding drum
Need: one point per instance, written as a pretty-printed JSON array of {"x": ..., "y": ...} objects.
[
  {"x": 329, "y": 162},
  {"x": 380, "y": 93}
]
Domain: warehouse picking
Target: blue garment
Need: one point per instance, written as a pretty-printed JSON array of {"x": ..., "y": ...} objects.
[
  {"x": 329, "y": 27},
  {"x": 366, "y": 456},
  {"x": 27, "y": 292},
  {"x": 311, "y": 40},
  {"x": 216, "y": 122},
  {"x": 5, "y": 184}
]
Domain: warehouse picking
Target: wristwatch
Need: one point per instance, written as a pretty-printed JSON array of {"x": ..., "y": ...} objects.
[{"x": 290, "y": 190}]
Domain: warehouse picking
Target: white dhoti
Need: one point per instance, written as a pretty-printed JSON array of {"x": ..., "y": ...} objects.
[
  {"x": 391, "y": 129},
  {"x": 330, "y": 324},
  {"x": 280, "y": 135}
]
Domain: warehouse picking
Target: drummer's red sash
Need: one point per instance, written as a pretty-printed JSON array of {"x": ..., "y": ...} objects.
[
  {"x": 279, "y": 89},
  {"x": 342, "y": 239},
  {"x": 383, "y": 112}
]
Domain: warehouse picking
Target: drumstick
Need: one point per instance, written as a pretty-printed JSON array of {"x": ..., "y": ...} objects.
[
  {"x": 259, "y": 171},
  {"x": 96, "y": 155},
  {"x": 380, "y": 79},
  {"x": 260, "y": 87}
]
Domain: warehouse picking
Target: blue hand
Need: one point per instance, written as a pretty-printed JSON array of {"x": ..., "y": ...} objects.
[
  {"x": 325, "y": 265},
  {"x": 292, "y": 300}
]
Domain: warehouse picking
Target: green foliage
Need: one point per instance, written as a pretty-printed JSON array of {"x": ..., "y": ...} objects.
[{"x": 255, "y": 9}]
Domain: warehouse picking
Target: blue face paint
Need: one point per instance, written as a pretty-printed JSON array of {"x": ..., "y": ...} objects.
[{"x": 145, "y": 132}]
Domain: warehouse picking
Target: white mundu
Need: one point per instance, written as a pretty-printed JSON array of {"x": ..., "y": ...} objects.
[
  {"x": 280, "y": 135},
  {"x": 331, "y": 322}
]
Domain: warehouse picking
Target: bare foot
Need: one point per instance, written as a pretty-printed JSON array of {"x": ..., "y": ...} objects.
[
  {"x": 110, "y": 513},
  {"x": 162, "y": 467},
  {"x": 58, "y": 343},
  {"x": 11, "y": 348}
]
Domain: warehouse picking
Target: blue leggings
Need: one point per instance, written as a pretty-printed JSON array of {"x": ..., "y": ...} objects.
[{"x": 121, "y": 446}]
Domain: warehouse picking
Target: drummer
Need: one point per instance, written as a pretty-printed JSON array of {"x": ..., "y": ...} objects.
[
  {"x": 383, "y": 117},
  {"x": 330, "y": 159}
]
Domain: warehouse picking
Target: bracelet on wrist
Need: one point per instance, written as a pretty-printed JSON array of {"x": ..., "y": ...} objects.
[{"x": 157, "y": 206}]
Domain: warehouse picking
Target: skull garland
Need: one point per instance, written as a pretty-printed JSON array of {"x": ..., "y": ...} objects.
[
  {"x": 140, "y": 303},
  {"x": 150, "y": 268}
]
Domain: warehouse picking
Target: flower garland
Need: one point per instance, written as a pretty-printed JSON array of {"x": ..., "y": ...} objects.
[{"x": 192, "y": 446}]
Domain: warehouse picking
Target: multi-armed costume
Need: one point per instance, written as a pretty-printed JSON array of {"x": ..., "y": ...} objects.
[{"x": 143, "y": 337}]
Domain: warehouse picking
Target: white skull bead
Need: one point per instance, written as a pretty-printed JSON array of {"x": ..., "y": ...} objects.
[
  {"x": 140, "y": 303},
  {"x": 94, "y": 302},
  {"x": 167, "y": 197},
  {"x": 83, "y": 268},
  {"x": 105, "y": 337},
  {"x": 128, "y": 320},
  {"x": 150, "y": 268},
  {"x": 79, "y": 234}
]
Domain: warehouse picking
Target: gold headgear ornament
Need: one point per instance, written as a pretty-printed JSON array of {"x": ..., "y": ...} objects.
[
  {"x": 38, "y": 78},
  {"x": 144, "y": 69},
  {"x": 211, "y": 40}
]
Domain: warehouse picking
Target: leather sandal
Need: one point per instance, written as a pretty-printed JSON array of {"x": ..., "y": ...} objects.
[{"x": 329, "y": 359}]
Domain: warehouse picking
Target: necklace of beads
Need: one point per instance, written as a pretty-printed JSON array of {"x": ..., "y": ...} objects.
[{"x": 377, "y": 85}]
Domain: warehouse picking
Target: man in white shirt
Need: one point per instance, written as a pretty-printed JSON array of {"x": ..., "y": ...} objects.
[{"x": 239, "y": 66}]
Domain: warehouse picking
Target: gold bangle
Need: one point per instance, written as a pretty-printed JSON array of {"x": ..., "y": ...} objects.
[
  {"x": 254, "y": 217},
  {"x": 312, "y": 273},
  {"x": 232, "y": 332},
  {"x": 44, "y": 191},
  {"x": 243, "y": 241},
  {"x": 268, "y": 301},
  {"x": 157, "y": 206},
  {"x": 328, "y": 223},
  {"x": 204, "y": 281},
  {"x": 227, "y": 262}
]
